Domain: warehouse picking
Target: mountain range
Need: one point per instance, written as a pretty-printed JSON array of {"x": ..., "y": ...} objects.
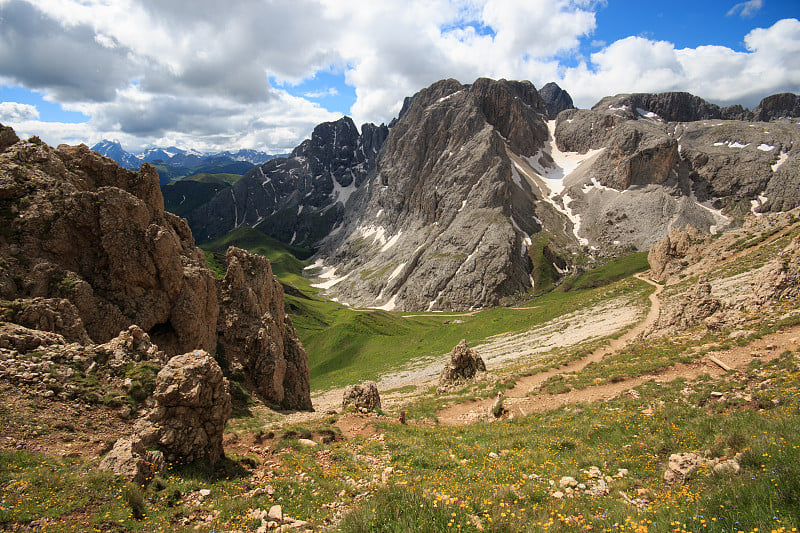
[
  {"x": 478, "y": 192},
  {"x": 175, "y": 163}
]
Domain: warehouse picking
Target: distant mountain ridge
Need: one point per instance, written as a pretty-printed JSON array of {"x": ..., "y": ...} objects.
[{"x": 176, "y": 156}]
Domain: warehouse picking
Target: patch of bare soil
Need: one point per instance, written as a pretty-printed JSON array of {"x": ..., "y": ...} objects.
[{"x": 58, "y": 428}]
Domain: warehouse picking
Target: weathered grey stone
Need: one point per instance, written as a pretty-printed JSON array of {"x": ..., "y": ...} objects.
[
  {"x": 192, "y": 407},
  {"x": 464, "y": 364},
  {"x": 131, "y": 459},
  {"x": 364, "y": 395}
]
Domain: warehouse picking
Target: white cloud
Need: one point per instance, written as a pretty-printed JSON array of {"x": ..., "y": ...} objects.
[
  {"x": 13, "y": 112},
  {"x": 746, "y": 9},
  {"x": 716, "y": 73},
  {"x": 330, "y": 91},
  {"x": 196, "y": 72}
]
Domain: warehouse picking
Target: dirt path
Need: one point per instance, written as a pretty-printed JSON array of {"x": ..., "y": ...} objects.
[
  {"x": 766, "y": 348},
  {"x": 463, "y": 412},
  {"x": 737, "y": 358}
]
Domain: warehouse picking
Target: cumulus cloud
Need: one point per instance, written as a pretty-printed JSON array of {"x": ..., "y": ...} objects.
[
  {"x": 13, "y": 112},
  {"x": 196, "y": 73},
  {"x": 746, "y": 9},
  {"x": 720, "y": 74}
]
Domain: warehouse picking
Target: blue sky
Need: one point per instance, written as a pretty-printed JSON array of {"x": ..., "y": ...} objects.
[{"x": 212, "y": 76}]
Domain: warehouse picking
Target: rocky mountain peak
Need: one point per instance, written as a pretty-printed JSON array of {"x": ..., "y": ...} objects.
[
  {"x": 556, "y": 99},
  {"x": 670, "y": 107},
  {"x": 781, "y": 105}
]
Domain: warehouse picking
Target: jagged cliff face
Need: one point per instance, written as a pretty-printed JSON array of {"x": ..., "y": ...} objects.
[
  {"x": 87, "y": 250},
  {"x": 436, "y": 227},
  {"x": 298, "y": 199},
  {"x": 653, "y": 173},
  {"x": 471, "y": 176}
]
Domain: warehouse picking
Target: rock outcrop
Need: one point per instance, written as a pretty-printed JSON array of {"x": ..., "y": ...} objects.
[
  {"x": 87, "y": 251},
  {"x": 677, "y": 247},
  {"x": 192, "y": 406},
  {"x": 363, "y": 397},
  {"x": 78, "y": 227},
  {"x": 256, "y": 336},
  {"x": 780, "y": 278},
  {"x": 463, "y": 365},
  {"x": 695, "y": 305}
]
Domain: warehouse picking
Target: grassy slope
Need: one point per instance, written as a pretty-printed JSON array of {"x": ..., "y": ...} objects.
[
  {"x": 284, "y": 258},
  {"x": 349, "y": 346},
  {"x": 346, "y": 346},
  {"x": 483, "y": 477}
]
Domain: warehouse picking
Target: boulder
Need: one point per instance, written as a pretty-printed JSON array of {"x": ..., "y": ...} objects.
[
  {"x": 362, "y": 396},
  {"x": 464, "y": 364},
  {"x": 131, "y": 459},
  {"x": 192, "y": 406}
]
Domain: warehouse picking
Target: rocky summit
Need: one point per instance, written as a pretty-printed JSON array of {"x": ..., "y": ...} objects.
[
  {"x": 87, "y": 251},
  {"x": 298, "y": 199},
  {"x": 479, "y": 194}
]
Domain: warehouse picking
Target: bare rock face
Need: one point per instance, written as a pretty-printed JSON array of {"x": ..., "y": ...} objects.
[
  {"x": 192, "y": 407},
  {"x": 778, "y": 106},
  {"x": 433, "y": 229},
  {"x": 556, "y": 99},
  {"x": 51, "y": 314},
  {"x": 692, "y": 308},
  {"x": 464, "y": 364},
  {"x": 679, "y": 245},
  {"x": 87, "y": 251},
  {"x": 300, "y": 198},
  {"x": 78, "y": 227},
  {"x": 362, "y": 396},
  {"x": 131, "y": 459},
  {"x": 779, "y": 279},
  {"x": 255, "y": 335}
]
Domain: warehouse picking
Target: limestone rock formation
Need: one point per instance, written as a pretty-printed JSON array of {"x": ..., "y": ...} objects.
[
  {"x": 777, "y": 106},
  {"x": 362, "y": 396},
  {"x": 51, "y": 314},
  {"x": 256, "y": 336},
  {"x": 464, "y": 364},
  {"x": 78, "y": 227},
  {"x": 691, "y": 308},
  {"x": 192, "y": 406},
  {"x": 87, "y": 251},
  {"x": 672, "y": 107},
  {"x": 131, "y": 459},
  {"x": 300, "y": 198},
  {"x": 433, "y": 229},
  {"x": 555, "y": 99},
  {"x": 666, "y": 256},
  {"x": 779, "y": 279},
  {"x": 131, "y": 345}
]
